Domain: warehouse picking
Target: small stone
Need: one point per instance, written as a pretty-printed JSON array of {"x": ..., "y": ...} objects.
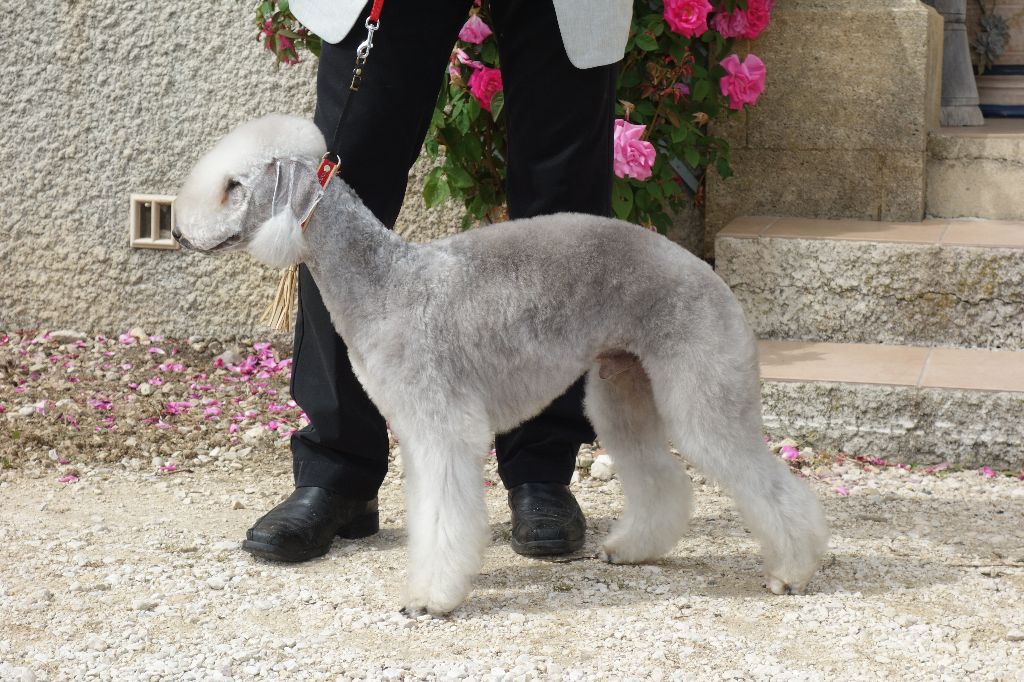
[
  {"x": 602, "y": 469},
  {"x": 237, "y": 504},
  {"x": 785, "y": 442},
  {"x": 216, "y": 583},
  {"x": 229, "y": 357},
  {"x": 254, "y": 434},
  {"x": 516, "y": 618},
  {"x": 64, "y": 335},
  {"x": 1015, "y": 635},
  {"x": 143, "y": 604},
  {"x": 96, "y": 643},
  {"x": 145, "y": 388}
]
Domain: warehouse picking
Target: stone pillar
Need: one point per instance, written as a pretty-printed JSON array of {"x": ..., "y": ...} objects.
[
  {"x": 842, "y": 128},
  {"x": 959, "y": 91}
]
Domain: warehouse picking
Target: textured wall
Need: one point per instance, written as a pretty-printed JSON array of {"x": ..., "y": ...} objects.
[
  {"x": 110, "y": 98},
  {"x": 841, "y": 130}
]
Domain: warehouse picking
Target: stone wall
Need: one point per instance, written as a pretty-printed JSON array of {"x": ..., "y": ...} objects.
[
  {"x": 104, "y": 99},
  {"x": 842, "y": 128}
]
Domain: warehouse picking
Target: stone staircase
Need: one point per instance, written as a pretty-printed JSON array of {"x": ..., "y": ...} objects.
[
  {"x": 977, "y": 171},
  {"x": 898, "y": 340}
]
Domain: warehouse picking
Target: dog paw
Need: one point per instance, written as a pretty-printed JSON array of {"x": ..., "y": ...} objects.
[
  {"x": 776, "y": 586},
  {"x": 434, "y": 602},
  {"x": 779, "y": 586},
  {"x": 628, "y": 550}
]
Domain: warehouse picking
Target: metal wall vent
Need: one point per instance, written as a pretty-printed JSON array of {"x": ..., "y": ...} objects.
[{"x": 150, "y": 222}]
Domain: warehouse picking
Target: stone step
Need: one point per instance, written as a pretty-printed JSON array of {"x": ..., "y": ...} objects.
[
  {"x": 977, "y": 171},
  {"x": 910, "y": 404},
  {"x": 933, "y": 283}
]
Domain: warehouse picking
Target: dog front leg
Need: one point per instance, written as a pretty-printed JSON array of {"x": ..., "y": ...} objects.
[{"x": 447, "y": 517}]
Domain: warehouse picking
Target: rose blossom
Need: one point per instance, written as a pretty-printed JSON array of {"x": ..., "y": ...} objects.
[
  {"x": 744, "y": 81},
  {"x": 633, "y": 157},
  {"x": 475, "y": 30},
  {"x": 730, "y": 24},
  {"x": 759, "y": 14},
  {"x": 484, "y": 84},
  {"x": 687, "y": 17}
]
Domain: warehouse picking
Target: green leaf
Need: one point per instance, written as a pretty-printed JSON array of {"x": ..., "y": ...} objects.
[
  {"x": 647, "y": 42},
  {"x": 489, "y": 53},
  {"x": 282, "y": 5},
  {"x": 457, "y": 175},
  {"x": 497, "y": 104},
  {"x": 437, "y": 118},
  {"x": 471, "y": 147},
  {"x": 701, "y": 89},
  {"x": 630, "y": 78},
  {"x": 477, "y": 207},
  {"x": 692, "y": 157},
  {"x": 654, "y": 189},
  {"x": 723, "y": 168},
  {"x": 622, "y": 198},
  {"x": 435, "y": 189}
]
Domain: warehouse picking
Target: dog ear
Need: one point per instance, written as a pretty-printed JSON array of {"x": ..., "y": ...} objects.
[
  {"x": 292, "y": 191},
  {"x": 296, "y": 188}
]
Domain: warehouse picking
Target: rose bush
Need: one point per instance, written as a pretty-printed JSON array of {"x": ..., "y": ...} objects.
[{"x": 680, "y": 72}]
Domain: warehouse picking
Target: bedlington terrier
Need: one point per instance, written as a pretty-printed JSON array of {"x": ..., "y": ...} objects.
[{"x": 458, "y": 338}]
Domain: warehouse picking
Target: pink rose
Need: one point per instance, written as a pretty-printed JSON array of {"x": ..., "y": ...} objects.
[
  {"x": 744, "y": 81},
  {"x": 744, "y": 23},
  {"x": 475, "y": 30},
  {"x": 730, "y": 24},
  {"x": 687, "y": 17},
  {"x": 634, "y": 157},
  {"x": 759, "y": 15},
  {"x": 484, "y": 84}
]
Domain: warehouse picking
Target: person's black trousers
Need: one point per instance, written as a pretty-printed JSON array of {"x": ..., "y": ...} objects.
[{"x": 559, "y": 125}]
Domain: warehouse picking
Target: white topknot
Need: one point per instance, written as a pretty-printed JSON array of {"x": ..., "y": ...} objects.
[{"x": 248, "y": 148}]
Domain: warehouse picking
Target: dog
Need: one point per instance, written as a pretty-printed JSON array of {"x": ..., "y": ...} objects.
[{"x": 459, "y": 338}]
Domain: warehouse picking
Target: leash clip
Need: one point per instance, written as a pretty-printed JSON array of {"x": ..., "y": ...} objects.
[{"x": 363, "y": 51}]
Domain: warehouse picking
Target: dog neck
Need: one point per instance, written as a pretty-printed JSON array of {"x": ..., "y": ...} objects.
[{"x": 351, "y": 256}]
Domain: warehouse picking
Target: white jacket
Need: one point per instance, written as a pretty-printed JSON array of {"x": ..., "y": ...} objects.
[{"x": 594, "y": 32}]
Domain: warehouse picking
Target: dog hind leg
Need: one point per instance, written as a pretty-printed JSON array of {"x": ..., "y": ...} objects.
[
  {"x": 446, "y": 513},
  {"x": 713, "y": 412},
  {"x": 657, "y": 487}
]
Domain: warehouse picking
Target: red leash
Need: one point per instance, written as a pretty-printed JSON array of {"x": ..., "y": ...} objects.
[
  {"x": 378, "y": 5},
  {"x": 331, "y": 160}
]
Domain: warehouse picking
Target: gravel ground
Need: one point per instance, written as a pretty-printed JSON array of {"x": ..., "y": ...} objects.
[{"x": 122, "y": 508}]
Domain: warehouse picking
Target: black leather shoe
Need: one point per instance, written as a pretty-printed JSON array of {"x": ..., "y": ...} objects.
[
  {"x": 303, "y": 526},
  {"x": 546, "y": 519}
]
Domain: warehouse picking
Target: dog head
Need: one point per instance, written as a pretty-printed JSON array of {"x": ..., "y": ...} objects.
[{"x": 253, "y": 190}]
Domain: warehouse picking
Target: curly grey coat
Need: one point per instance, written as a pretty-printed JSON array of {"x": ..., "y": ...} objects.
[{"x": 465, "y": 336}]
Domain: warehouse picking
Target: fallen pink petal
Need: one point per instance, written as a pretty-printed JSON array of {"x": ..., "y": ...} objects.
[{"x": 789, "y": 453}]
